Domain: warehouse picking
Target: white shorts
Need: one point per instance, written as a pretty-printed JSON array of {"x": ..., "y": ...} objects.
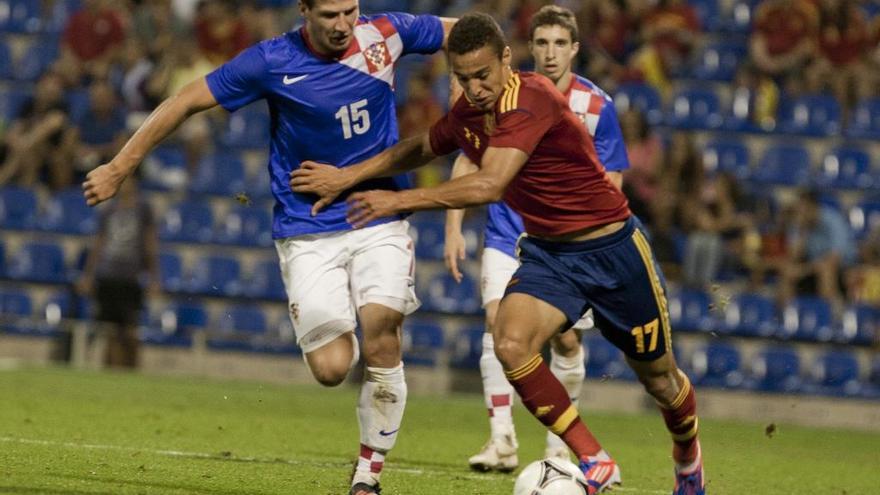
[
  {"x": 496, "y": 271},
  {"x": 329, "y": 276}
]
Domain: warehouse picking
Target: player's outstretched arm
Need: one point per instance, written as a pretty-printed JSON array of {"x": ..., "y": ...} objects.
[
  {"x": 498, "y": 168},
  {"x": 103, "y": 182},
  {"x": 329, "y": 181},
  {"x": 454, "y": 245}
]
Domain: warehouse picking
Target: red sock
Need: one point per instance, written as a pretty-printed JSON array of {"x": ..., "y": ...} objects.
[
  {"x": 546, "y": 398},
  {"x": 681, "y": 421}
]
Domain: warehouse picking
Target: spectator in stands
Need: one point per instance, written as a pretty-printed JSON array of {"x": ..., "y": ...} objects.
[
  {"x": 92, "y": 38},
  {"x": 221, "y": 34},
  {"x": 783, "y": 40},
  {"x": 669, "y": 30},
  {"x": 863, "y": 279},
  {"x": 645, "y": 152},
  {"x": 416, "y": 116},
  {"x": 100, "y": 126},
  {"x": 125, "y": 249},
  {"x": 755, "y": 97},
  {"x": 821, "y": 248},
  {"x": 155, "y": 28},
  {"x": 39, "y": 143}
]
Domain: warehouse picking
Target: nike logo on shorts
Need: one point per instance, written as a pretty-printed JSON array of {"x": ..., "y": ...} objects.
[{"x": 290, "y": 80}]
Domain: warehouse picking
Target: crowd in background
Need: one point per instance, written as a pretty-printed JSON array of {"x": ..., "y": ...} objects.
[{"x": 125, "y": 57}]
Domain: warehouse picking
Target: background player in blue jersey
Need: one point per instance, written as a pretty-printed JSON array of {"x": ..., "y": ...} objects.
[
  {"x": 553, "y": 36},
  {"x": 329, "y": 90}
]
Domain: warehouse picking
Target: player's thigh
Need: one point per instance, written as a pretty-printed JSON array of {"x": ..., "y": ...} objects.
[
  {"x": 524, "y": 324},
  {"x": 382, "y": 267},
  {"x": 317, "y": 286},
  {"x": 496, "y": 269}
]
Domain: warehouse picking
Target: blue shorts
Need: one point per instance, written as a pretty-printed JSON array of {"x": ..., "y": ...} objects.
[{"x": 616, "y": 275}]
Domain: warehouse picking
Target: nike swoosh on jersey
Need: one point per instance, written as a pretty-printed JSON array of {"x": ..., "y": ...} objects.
[
  {"x": 388, "y": 433},
  {"x": 290, "y": 80}
]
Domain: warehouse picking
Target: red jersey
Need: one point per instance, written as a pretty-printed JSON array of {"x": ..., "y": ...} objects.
[{"x": 562, "y": 187}]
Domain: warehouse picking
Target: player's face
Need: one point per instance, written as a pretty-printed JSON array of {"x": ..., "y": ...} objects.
[
  {"x": 330, "y": 24},
  {"x": 553, "y": 50},
  {"x": 482, "y": 74}
]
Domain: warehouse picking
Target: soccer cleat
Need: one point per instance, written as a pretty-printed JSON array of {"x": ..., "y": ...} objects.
[
  {"x": 364, "y": 489},
  {"x": 600, "y": 475},
  {"x": 498, "y": 454},
  {"x": 557, "y": 453},
  {"x": 690, "y": 483}
]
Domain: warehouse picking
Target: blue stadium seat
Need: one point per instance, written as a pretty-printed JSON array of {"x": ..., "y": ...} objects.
[
  {"x": 12, "y": 99},
  {"x": 188, "y": 221},
  {"x": 78, "y": 103},
  {"x": 708, "y": 12},
  {"x": 266, "y": 282},
  {"x": 641, "y": 97},
  {"x": 215, "y": 276},
  {"x": 442, "y": 293},
  {"x": 751, "y": 315},
  {"x": 864, "y": 217},
  {"x": 170, "y": 271},
  {"x": 865, "y": 120},
  {"x": 39, "y": 262},
  {"x": 164, "y": 168},
  {"x": 21, "y": 16},
  {"x": 807, "y": 318},
  {"x": 836, "y": 373},
  {"x": 422, "y": 341},
  {"x": 246, "y": 226},
  {"x": 727, "y": 155},
  {"x": 16, "y": 310},
  {"x": 429, "y": 236},
  {"x": 784, "y": 165},
  {"x": 68, "y": 213},
  {"x": 247, "y": 128},
  {"x": 239, "y": 327},
  {"x": 859, "y": 324},
  {"x": 60, "y": 306},
  {"x": 813, "y": 115},
  {"x": 739, "y": 19},
  {"x": 2, "y": 260},
  {"x": 604, "y": 360},
  {"x": 777, "y": 369},
  {"x": 35, "y": 60},
  {"x": 176, "y": 323},
  {"x": 846, "y": 167},
  {"x": 689, "y": 311},
  {"x": 717, "y": 365},
  {"x": 467, "y": 348},
  {"x": 6, "y": 64},
  {"x": 219, "y": 173},
  {"x": 695, "y": 108},
  {"x": 18, "y": 208},
  {"x": 719, "y": 61},
  {"x": 259, "y": 185}
]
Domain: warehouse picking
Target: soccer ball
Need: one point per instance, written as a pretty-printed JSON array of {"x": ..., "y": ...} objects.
[{"x": 550, "y": 477}]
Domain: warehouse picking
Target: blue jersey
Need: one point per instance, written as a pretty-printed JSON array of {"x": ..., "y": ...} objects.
[
  {"x": 596, "y": 109},
  {"x": 337, "y": 111}
]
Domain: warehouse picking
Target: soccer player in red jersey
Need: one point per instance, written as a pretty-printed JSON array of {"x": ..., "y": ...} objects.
[{"x": 583, "y": 248}]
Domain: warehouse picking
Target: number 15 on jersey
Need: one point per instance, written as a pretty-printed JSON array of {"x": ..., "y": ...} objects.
[{"x": 355, "y": 119}]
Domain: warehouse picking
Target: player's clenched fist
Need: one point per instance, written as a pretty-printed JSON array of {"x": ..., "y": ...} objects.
[{"x": 102, "y": 184}]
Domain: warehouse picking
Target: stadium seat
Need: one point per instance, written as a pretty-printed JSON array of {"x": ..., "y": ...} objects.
[
  {"x": 20, "y": 16},
  {"x": 808, "y": 319},
  {"x": 689, "y": 311},
  {"x": 422, "y": 341},
  {"x": 865, "y": 120},
  {"x": 719, "y": 61},
  {"x": 246, "y": 226},
  {"x": 784, "y": 165},
  {"x": 751, "y": 315},
  {"x": 18, "y": 208},
  {"x": 35, "y": 60},
  {"x": 39, "y": 262},
  {"x": 467, "y": 348},
  {"x": 247, "y": 128},
  {"x": 727, "y": 155},
  {"x": 60, "y": 306},
  {"x": 429, "y": 234},
  {"x": 215, "y": 276},
  {"x": 604, "y": 360},
  {"x": 777, "y": 369},
  {"x": 219, "y": 173},
  {"x": 170, "y": 271},
  {"x": 12, "y": 99},
  {"x": 67, "y": 212},
  {"x": 266, "y": 282},
  {"x": 872, "y": 387},
  {"x": 16, "y": 311},
  {"x": 717, "y": 365},
  {"x": 859, "y": 324},
  {"x": 836, "y": 373},
  {"x": 176, "y": 323},
  {"x": 6, "y": 65},
  {"x": 813, "y": 115},
  {"x": 695, "y": 108},
  {"x": 2, "y": 260},
  {"x": 640, "y": 97},
  {"x": 864, "y": 217},
  {"x": 165, "y": 169},
  {"x": 189, "y": 221},
  {"x": 239, "y": 327},
  {"x": 738, "y": 20},
  {"x": 443, "y": 294},
  {"x": 258, "y": 185},
  {"x": 846, "y": 167},
  {"x": 708, "y": 12}
]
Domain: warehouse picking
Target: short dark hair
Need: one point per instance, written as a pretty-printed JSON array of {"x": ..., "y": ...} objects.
[
  {"x": 474, "y": 31},
  {"x": 554, "y": 15}
]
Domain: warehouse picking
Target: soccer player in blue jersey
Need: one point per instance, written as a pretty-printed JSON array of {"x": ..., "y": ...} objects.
[
  {"x": 553, "y": 36},
  {"x": 329, "y": 90}
]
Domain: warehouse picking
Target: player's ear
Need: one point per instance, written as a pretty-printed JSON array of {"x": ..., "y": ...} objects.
[
  {"x": 303, "y": 8},
  {"x": 506, "y": 56},
  {"x": 575, "y": 47}
]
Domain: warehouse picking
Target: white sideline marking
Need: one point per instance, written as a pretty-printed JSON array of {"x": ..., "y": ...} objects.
[{"x": 220, "y": 457}]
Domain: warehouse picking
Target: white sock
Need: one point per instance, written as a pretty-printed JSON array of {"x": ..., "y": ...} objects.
[
  {"x": 380, "y": 412},
  {"x": 570, "y": 371},
  {"x": 497, "y": 391}
]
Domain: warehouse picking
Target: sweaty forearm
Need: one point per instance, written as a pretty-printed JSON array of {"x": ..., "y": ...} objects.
[
  {"x": 470, "y": 190},
  {"x": 163, "y": 121},
  {"x": 404, "y": 156}
]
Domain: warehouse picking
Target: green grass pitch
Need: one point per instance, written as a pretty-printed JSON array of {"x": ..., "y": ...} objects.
[{"x": 68, "y": 432}]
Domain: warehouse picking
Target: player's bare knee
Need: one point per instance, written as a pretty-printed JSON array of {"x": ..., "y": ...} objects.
[
  {"x": 663, "y": 387},
  {"x": 330, "y": 377},
  {"x": 510, "y": 352}
]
